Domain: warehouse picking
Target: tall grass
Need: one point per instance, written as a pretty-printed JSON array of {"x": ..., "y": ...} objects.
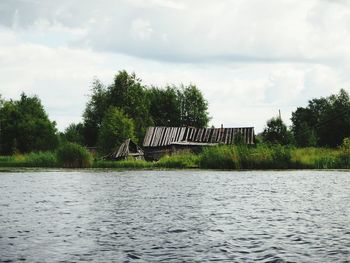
[
  {"x": 231, "y": 157},
  {"x": 219, "y": 157},
  {"x": 180, "y": 160},
  {"x": 246, "y": 157},
  {"x": 72, "y": 155},
  {"x": 34, "y": 159}
]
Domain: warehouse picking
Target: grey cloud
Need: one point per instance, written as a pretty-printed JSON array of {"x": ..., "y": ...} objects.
[{"x": 194, "y": 32}]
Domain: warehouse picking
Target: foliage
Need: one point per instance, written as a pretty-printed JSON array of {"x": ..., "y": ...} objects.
[
  {"x": 74, "y": 133},
  {"x": 325, "y": 121},
  {"x": 276, "y": 132},
  {"x": 171, "y": 106},
  {"x": 94, "y": 112},
  {"x": 194, "y": 108},
  {"x": 314, "y": 158},
  {"x": 34, "y": 159},
  {"x": 179, "y": 160},
  {"x": 220, "y": 157},
  {"x": 165, "y": 106},
  {"x": 72, "y": 155},
  {"x": 25, "y": 127},
  {"x": 116, "y": 127},
  {"x": 127, "y": 94}
]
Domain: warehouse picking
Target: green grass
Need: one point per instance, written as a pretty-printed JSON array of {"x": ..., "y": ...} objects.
[
  {"x": 218, "y": 157},
  {"x": 72, "y": 155},
  {"x": 38, "y": 159},
  {"x": 184, "y": 160}
]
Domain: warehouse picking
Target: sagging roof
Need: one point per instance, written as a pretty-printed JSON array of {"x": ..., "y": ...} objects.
[
  {"x": 164, "y": 136},
  {"x": 126, "y": 149}
]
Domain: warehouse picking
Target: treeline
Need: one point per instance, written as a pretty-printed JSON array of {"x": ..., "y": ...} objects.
[
  {"x": 126, "y": 107},
  {"x": 324, "y": 122},
  {"x": 123, "y": 109}
]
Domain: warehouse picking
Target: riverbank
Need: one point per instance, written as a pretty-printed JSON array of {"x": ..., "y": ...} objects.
[{"x": 221, "y": 157}]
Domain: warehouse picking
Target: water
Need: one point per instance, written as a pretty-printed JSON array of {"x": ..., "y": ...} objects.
[{"x": 175, "y": 216}]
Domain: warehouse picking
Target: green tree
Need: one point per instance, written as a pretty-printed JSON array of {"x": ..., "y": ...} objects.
[
  {"x": 172, "y": 106},
  {"x": 116, "y": 127},
  {"x": 324, "y": 120},
  {"x": 74, "y": 133},
  {"x": 94, "y": 112},
  {"x": 276, "y": 132},
  {"x": 194, "y": 108},
  {"x": 26, "y": 127},
  {"x": 165, "y": 106}
]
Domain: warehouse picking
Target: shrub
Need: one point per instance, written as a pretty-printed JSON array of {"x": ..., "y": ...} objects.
[
  {"x": 40, "y": 159},
  {"x": 219, "y": 157},
  {"x": 180, "y": 160},
  {"x": 71, "y": 155}
]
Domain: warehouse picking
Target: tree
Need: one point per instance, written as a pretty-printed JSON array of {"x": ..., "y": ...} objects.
[
  {"x": 116, "y": 127},
  {"x": 194, "y": 108},
  {"x": 94, "y": 113},
  {"x": 74, "y": 133},
  {"x": 165, "y": 106},
  {"x": 26, "y": 127},
  {"x": 128, "y": 94},
  {"x": 276, "y": 132},
  {"x": 172, "y": 106},
  {"x": 324, "y": 120}
]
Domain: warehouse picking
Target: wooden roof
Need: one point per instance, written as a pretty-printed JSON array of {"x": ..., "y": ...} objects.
[
  {"x": 127, "y": 148},
  {"x": 164, "y": 136}
]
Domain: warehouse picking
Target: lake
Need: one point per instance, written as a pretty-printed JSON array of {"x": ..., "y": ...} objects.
[{"x": 175, "y": 216}]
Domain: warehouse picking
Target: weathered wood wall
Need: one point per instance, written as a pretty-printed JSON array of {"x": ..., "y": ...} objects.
[{"x": 164, "y": 136}]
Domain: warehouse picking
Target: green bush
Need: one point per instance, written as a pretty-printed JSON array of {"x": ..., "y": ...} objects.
[
  {"x": 40, "y": 159},
  {"x": 180, "y": 160},
  {"x": 72, "y": 155},
  {"x": 219, "y": 157}
]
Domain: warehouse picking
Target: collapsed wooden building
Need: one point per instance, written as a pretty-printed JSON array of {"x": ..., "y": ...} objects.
[
  {"x": 159, "y": 141},
  {"x": 127, "y": 149}
]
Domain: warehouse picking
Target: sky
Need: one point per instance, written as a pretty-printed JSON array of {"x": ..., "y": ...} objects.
[{"x": 250, "y": 58}]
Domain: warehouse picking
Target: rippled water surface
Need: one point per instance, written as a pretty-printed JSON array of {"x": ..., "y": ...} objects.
[{"x": 175, "y": 216}]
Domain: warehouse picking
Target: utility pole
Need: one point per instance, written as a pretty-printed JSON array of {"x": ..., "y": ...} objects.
[{"x": 279, "y": 114}]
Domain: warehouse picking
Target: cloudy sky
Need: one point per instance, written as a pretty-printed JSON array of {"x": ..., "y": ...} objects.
[{"x": 249, "y": 57}]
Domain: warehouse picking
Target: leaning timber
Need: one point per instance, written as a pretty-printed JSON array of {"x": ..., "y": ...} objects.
[{"x": 159, "y": 141}]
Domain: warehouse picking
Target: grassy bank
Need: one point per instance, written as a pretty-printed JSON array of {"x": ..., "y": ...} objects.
[{"x": 220, "y": 157}]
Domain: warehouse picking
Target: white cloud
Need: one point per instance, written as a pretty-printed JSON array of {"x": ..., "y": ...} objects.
[{"x": 250, "y": 57}]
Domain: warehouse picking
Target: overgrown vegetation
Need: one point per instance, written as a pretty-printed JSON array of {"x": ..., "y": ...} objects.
[
  {"x": 262, "y": 156},
  {"x": 71, "y": 155},
  {"x": 318, "y": 137}
]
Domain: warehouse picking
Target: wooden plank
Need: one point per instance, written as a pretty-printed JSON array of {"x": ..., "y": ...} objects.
[
  {"x": 190, "y": 131},
  {"x": 152, "y": 137},
  {"x": 159, "y": 136},
  {"x": 178, "y": 131},
  {"x": 210, "y": 131},
  {"x": 145, "y": 140},
  {"x": 163, "y": 137},
  {"x": 156, "y": 136},
  {"x": 195, "y": 131},
  {"x": 213, "y": 136},
  {"x": 202, "y": 135},
  {"x": 183, "y": 129},
  {"x": 172, "y": 136},
  {"x": 198, "y": 135},
  {"x": 225, "y": 140},
  {"x": 168, "y": 140}
]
